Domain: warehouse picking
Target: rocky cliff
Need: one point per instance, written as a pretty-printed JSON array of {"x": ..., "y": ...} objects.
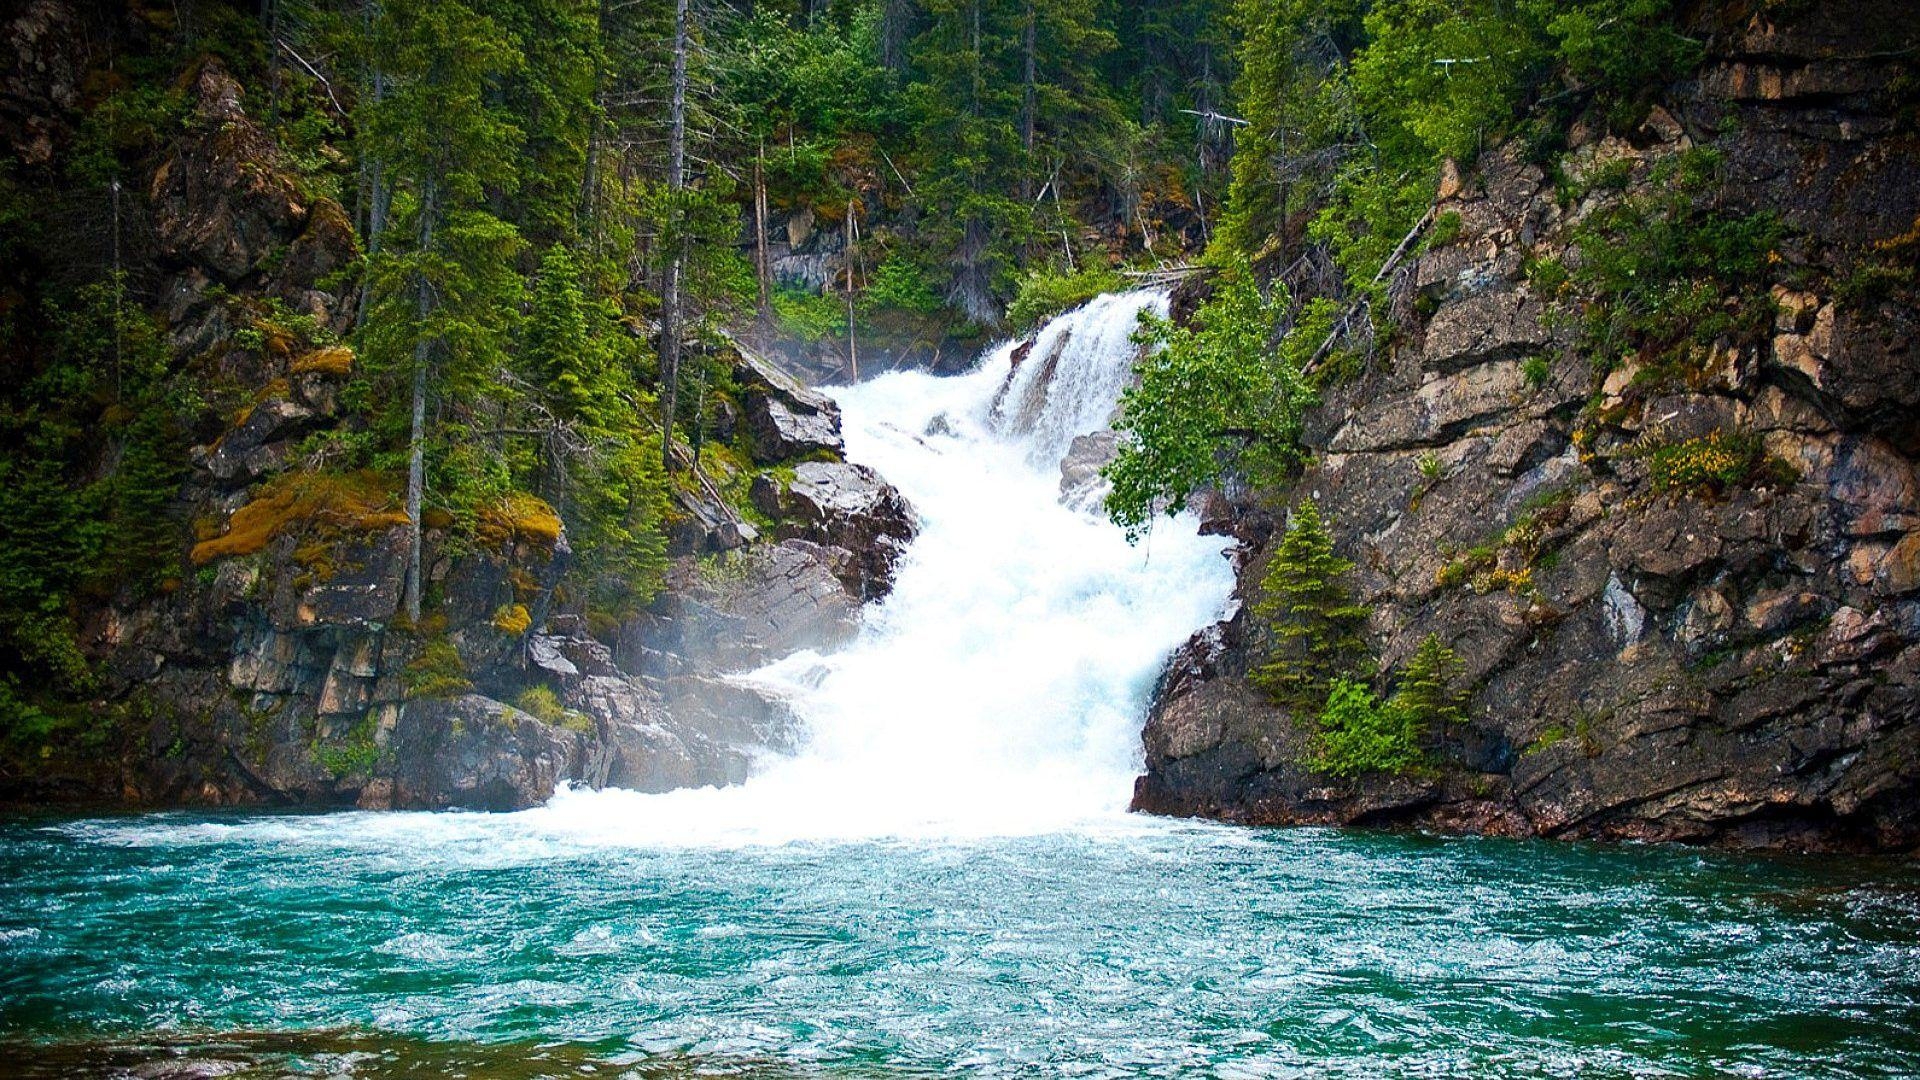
[
  {"x": 1685, "y": 582},
  {"x": 281, "y": 670}
]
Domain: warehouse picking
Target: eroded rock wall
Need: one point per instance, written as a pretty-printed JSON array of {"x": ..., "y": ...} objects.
[{"x": 1736, "y": 666}]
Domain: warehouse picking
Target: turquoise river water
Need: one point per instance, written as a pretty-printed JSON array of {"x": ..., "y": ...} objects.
[{"x": 365, "y": 944}]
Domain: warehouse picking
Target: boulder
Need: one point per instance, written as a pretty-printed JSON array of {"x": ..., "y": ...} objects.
[
  {"x": 1081, "y": 485},
  {"x": 783, "y": 419},
  {"x": 846, "y": 506},
  {"x": 474, "y": 753},
  {"x": 703, "y": 524}
]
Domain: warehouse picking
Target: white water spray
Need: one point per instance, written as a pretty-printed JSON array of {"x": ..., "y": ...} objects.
[{"x": 1000, "y": 689}]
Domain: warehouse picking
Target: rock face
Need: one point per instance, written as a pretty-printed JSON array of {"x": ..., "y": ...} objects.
[
  {"x": 845, "y": 506},
  {"x": 1737, "y": 666},
  {"x": 781, "y": 598},
  {"x": 783, "y": 419},
  {"x": 476, "y": 753}
]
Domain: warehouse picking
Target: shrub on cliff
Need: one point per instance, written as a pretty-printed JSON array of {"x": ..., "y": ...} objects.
[
  {"x": 1314, "y": 627},
  {"x": 1360, "y": 734}
]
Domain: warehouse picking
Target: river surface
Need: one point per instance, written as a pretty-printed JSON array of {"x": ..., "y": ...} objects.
[
  {"x": 1141, "y": 947},
  {"x": 943, "y": 879}
]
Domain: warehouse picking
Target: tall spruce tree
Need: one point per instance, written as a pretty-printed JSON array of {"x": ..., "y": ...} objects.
[
  {"x": 967, "y": 107},
  {"x": 442, "y": 304},
  {"x": 1299, "y": 124},
  {"x": 1315, "y": 629}
]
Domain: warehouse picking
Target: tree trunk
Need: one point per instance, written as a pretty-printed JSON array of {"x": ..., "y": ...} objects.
[
  {"x": 853, "y": 348},
  {"x": 590, "y": 180},
  {"x": 896, "y": 27},
  {"x": 378, "y": 197},
  {"x": 762, "y": 271},
  {"x": 1028, "y": 101},
  {"x": 417, "y": 438},
  {"x": 676, "y": 183}
]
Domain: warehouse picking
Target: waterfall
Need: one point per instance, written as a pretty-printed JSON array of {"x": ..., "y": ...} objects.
[{"x": 1001, "y": 687}]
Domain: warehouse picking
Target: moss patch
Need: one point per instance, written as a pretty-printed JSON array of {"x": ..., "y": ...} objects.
[{"x": 321, "y": 506}]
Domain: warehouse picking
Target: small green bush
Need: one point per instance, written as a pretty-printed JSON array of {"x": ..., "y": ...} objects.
[
  {"x": 810, "y": 316},
  {"x": 354, "y": 755},
  {"x": 1212, "y": 396},
  {"x": 438, "y": 671},
  {"x": 1538, "y": 370},
  {"x": 900, "y": 284},
  {"x": 1444, "y": 230},
  {"x": 541, "y": 703},
  {"x": 1360, "y": 734}
]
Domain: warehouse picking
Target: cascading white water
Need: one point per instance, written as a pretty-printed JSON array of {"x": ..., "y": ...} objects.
[{"x": 1000, "y": 688}]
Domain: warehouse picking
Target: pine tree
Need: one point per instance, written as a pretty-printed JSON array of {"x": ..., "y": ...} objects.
[
  {"x": 557, "y": 350},
  {"x": 1291, "y": 94},
  {"x": 970, "y": 150},
  {"x": 443, "y": 306},
  {"x": 1315, "y": 629},
  {"x": 551, "y": 97},
  {"x": 1427, "y": 693}
]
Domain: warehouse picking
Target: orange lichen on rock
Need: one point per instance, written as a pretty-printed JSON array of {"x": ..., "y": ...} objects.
[
  {"x": 324, "y": 504},
  {"x": 513, "y": 619},
  {"x": 520, "y": 518},
  {"x": 336, "y": 360},
  {"x": 277, "y": 388}
]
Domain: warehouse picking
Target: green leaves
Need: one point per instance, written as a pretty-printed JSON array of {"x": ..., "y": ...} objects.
[
  {"x": 1360, "y": 734},
  {"x": 1046, "y": 291},
  {"x": 1212, "y": 398}
]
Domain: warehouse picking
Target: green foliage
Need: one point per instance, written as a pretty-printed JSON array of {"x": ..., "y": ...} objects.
[
  {"x": 1293, "y": 92},
  {"x": 437, "y": 671},
  {"x": 1047, "y": 291},
  {"x": 71, "y": 529},
  {"x": 1314, "y": 628},
  {"x": 1359, "y": 734},
  {"x": 541, "y": 703},
  {"x": 1537, "y": 369},
  {"x": 353, "y": 755},
  {"x": 1663, "y": 276},
  {"x": 899, "y": 284},
  {"x": 1444, "y": 230},
  {"x": 1211, "y": 396},
  {"x": 599, "y": 464},
  {"x": 809, "y": 316},
  {"x": 1428, "y": 690},
  {"x": 1352, "y": 108}
]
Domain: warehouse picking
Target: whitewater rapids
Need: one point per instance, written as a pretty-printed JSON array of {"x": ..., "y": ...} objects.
[{"x": 1000, "y": 689}]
